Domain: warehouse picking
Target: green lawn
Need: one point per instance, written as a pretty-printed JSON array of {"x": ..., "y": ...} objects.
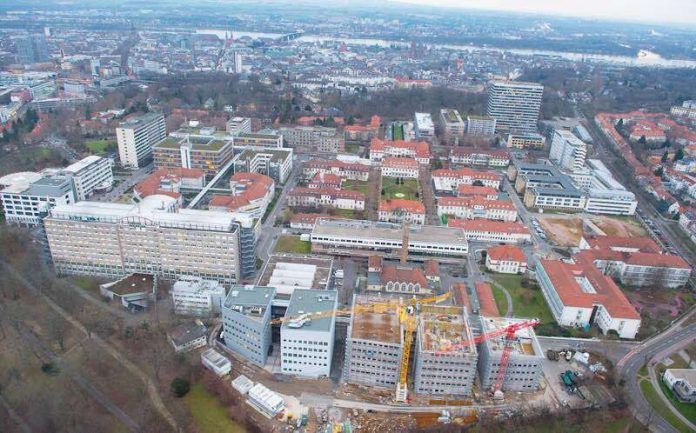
[
  {"x": 208, "y": 415},
  {"x": 526, "y": 302},
  {"x": 407, "y": 190},
  {"x": 356, "y": 185},
  {"x": 292, "y": 244},
  {"x": 99, "y": 146},
  {"x": 654, "y": 399},
  {"x": 352, "y": 148},
  {"x": 500, "y": 299},
  {"x": 688, "y": 410}
]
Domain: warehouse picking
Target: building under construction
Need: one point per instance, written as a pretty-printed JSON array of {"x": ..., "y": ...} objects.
[
  {"x": 525, "y": 363},
  {"x": 374, "y": 343},
  {"x": 445, "y": 355}
]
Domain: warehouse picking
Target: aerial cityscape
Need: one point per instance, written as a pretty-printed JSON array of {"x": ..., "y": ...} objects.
[{"x": 415, "y": 216}]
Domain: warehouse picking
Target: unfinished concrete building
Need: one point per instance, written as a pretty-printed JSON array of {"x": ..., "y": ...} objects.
[
  {"x": 526, "y": 356},
  {"x": 374, "y": 343},
  {"x": 445, "y": 355}
]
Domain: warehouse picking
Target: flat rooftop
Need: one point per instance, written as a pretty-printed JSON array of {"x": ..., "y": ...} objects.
[
  {"x": 82, "y": 164},
  {"x": 383, "y": 326},
  {"x": 201, "y": 143},
  {"x": 135, "y": 121},
  {"x": 187, "y": 332},
  {"x": 525, "y": 342},
  {"x": 310, "y": 301},
  {"x": 388, "y": 231},
  {"x": 277, "y": 265},
  {"x": 443, "y": 327},
  {"x": 134, "y": 283},
  {"x": 249, "y": 300},
  {"x": 276, "y": 154}
]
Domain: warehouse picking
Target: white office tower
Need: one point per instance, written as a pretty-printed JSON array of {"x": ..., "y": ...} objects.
[
  {"x": 306, "y": 342},
  {"x": 238, "y": 63},
  {"x": 27, "y": 197},
  {"x": 567, "y": 151},
  {"x": 514, "y": 105},
  {"x": 194, "y": 296},
  {"x": 136, "y": 137},
  {"x": 239, "y": 125},
  {"x": 424, "y": 126},
  {"x": 90, "y": 173}
]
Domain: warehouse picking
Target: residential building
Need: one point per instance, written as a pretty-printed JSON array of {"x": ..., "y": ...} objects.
[
  {"x": 445, "y": 352},
  {"x": 524, "y": 366},
  {"x": 480, "y": 125},
  {"x": 605, "y": 195},
  {"x": 471, "y": 191},
  {"x": 188, "y": 336},
  {"x": 113, "y": 239},
  {"x": 477, "y": 207},
  {"x": 530, "y": 140},
  {"x": 366, "y": 237},
  {"x": 320, "y": 139},
  {"x": 453, "y": 127},
  {"x": 491, "y": 231},
  {"x": 246, "y": 321},
  {"x": 579, "y": 295},
  {"x": 506, "y": 259},
  {"x": 682, "y": 382},
  {"x": 374, "y": 343},
  {"x": 325, "y": 180},
  {"x": 306, "y": 342},
  {"x": 424, "y": 126},
  {"x": 134, "y": 291},
  {"x": 274, "y": 163},
  {"x": 90, "y": 173},
  {"x": 195, "y": 296},
  {"x": 216, "y": 362},
  {"x": 136, "y": 136},
  {"x": 473, "y": 157},
  {"x": 647, "y": 130},
  {"x": 450, "y": 179},
  {"x": 399, "y": 279},
  {"x": 332, "y": 198},
  {"x": 258, "y": 139},
  {"x": 193, "y": 151},
  {"x": 305, "y": 221},
  {"x": 238, "y": 125},
  {"x": 32, "y": 49},
  {"x": 567, "y": 151},
  {"x": 401, "y": 210},
  {"x": 345, "y": 170},
  {"x": 251, "y": 195},
  {"x": 380, "y": 149},
  {"x": 363, "y": 133},
  {"x": 514, "y": 105},
  {"x": 27, "y": 197},
  {"x": 403, "y": 167}
]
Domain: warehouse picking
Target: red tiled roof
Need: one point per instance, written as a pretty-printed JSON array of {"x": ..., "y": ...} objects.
[
  {"x": 487, "y": 305},
  {"x": 249, "y": 187},
  {"x": 465, "y": 190},
  {"x": 403, "y": 274},
  {"x": 334, "y": 163},
  {"x": 461, "y": 295},
  {"x": 476, "y": 201},
  {"x": 506, "y": 253},
  {"x": 151, "y": 184},
  {"x": 420, "y": 148},
  {"x": 466, "y": 172},
  {"x": 307, "y": 218},
  {"x": 466, "y": 151},
  {"x": 488, "y": 226},
  {"x": 563, "y": 277},
  {"x": 396, "y": 204},
  {"x": 395, "y": 162},
  {"x": 322, "y": 178},
  {"x": 432, "y": 267},
  {"x": 332, "y": 192},
  {"x": 374, "y": 261},
  {"x": 643, "y": 244}
]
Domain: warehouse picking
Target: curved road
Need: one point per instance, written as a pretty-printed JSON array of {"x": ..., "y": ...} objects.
[{"x": 669, "y": 341}]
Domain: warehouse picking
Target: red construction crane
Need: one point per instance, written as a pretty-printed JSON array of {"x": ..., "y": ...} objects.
[{"x": 509, "y": 333}]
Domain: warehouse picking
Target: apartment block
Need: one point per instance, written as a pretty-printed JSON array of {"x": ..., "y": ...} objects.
[
  {"x": 306, "y": 343},
  {"x": 374, "y": 343},
  {"x": 246, "y": 321},
  {"x": 314, "y": 139},
  {"x": 380, "y": 149},
  {"x": 453, "y": 127},
  {"x": 136, "y": 136},
  {"x": 530, "y": 140},
  {"x": 403, "y": 167},
  {"x": 332, "y": 198},
  {"x": 514, "y": 105},
  {"x": 424, "y": 126},
  {"x": 567, "y": 150},
  {"x": 477, "y": 207},
  {"x": 89, "y": 174},
  {"x": 472, "y": 157},
  {"x": 258, "y": 139},
  {"x": 401, "y": 210},
  {"x": 238, "y": 125},
  {"x": 525, "y": 364},
  {"x": 345, "y": 170},
  {"x": 445, "y": 352},
  {"x": 114, "y": 239},
  {"x": 448, "y": 180},
  {"x": 274, "y": 163},
  {"x": 480, "y": 125},
  {"x": 195, "y": 296}
]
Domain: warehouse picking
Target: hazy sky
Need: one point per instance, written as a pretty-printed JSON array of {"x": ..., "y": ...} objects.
[{"x": 675, "y": 11}]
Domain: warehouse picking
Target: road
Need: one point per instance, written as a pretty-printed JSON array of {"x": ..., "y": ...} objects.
[
  {"x": 427, "y": 196},
  {"x": 650, "y": 352},
  {"x": 268, "y": 233},
  {"x": 131, "y": 179}
]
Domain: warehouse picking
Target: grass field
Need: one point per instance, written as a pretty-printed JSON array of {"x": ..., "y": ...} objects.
[
  {"x": 526, "y": 302},
  {"x": 654, "y": 399},
  {"x": 352, "y": 148},
  {"x": 500, "y": 300},
  {"x": 292, "y": 244},
  {"x": 208, "y": 414},
  {"x": 99, "y": 146},
  {"x": 356, "y": 185},
  {"x": 407, "y": 190}
]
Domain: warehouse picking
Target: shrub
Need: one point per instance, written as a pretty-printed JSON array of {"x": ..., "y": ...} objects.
[{"x": 180, "y": 387}]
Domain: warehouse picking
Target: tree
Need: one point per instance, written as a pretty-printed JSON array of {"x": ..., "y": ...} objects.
[
  {"x": 665, "y": 156},
  {"x": 642, "y": 140},
  {"x": 659, "y": 171},
  {"x": 477, "y": 183},
  {"x": 679, "y": 154},
  {"x": 180, "y": 387}
]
